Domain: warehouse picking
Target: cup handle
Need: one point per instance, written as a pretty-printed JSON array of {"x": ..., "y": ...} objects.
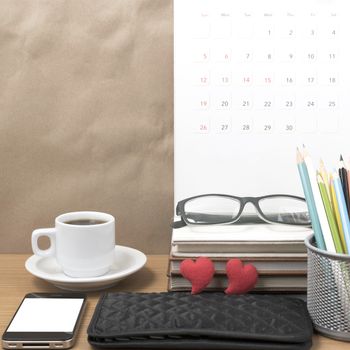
[{"x": 48, "y": 232}]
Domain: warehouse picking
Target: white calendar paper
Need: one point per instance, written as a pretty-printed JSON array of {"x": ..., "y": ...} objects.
[{"x": 253, "y": 80}]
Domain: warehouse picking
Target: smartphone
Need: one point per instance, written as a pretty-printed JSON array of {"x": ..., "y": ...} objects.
[{"x": 45, "y": 321}]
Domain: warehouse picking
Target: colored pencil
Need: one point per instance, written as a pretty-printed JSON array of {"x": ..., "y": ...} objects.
[
  {"x": 324, "y": 174},
  {"x": 335, "y": 208},
  {"x": 348, "y": 175},
  {"x": 343, "y": 175},
  {"x": 334, "y": 205},
  {"x": 330, "y": 215},
  {"x": 327, "y": 235},
  {"x": 342, "y": 209},
  {"x": 305, "y": 181}
]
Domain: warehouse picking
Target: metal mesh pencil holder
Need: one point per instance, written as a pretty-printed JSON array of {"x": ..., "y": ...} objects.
[{"x": 328, "y": 291}]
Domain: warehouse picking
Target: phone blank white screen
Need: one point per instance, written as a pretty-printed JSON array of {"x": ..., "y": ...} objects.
[{"x": 46, "y": 315}]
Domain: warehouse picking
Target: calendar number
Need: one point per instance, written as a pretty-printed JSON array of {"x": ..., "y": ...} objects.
[
  {"x": 286, "y": 102},
  {"x": 224, "y": 127},
  {"x": 222, "y": 78},
  {"x": 267, "y": 104},
  {"x": 203, "y": 128},
  {"x": 201, "y": 102},
  {"x": 311, "y": 104},
  {"x": 201, "y": 78},
  {"x": 289, "y": 127},
  {"x": 245, "y": 103},
  {"x": 221, "y": 55},
  {"x": 267, "y": 127},
  {"x": 223, "y": 102},
  {"x": 201, "y": 55},
  {"x": 246, "y": 127},
  {"x": 245, "y": 55},
  {"x": 286, "y": 56}
]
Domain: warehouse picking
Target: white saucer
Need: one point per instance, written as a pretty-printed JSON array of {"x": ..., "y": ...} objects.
[{"x": 127, "y": 261}]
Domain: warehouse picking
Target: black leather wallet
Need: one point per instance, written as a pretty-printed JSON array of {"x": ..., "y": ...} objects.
[{"x": 202, "y": 321}]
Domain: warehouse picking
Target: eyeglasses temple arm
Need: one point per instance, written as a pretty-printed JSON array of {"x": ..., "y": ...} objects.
[{"x": 178, "y": 224}]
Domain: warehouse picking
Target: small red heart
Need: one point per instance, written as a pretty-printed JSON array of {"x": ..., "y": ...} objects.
[
  {"x": 241, "y": 279},
  {"x": 199, "y": 272}
]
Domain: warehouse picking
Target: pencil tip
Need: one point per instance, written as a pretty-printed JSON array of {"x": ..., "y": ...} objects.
[
  {"x": 341, "y": 157},
  {"x": 299, "y": 156}
]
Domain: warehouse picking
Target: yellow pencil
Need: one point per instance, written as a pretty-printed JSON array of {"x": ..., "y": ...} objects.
[{"x": 335, "y": 208}]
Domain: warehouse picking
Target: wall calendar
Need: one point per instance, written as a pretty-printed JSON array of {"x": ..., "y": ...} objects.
[{"x": 253, "y": 80}]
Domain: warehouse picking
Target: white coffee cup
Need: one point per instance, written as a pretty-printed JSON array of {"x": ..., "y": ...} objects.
[{"x": 83, "y": 243}]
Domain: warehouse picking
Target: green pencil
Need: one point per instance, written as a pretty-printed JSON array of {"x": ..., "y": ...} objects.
[{"x": 330, "y": 216}]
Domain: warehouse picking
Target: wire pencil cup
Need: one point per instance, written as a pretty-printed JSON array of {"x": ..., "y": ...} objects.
[{"x": 328, "y": 291}]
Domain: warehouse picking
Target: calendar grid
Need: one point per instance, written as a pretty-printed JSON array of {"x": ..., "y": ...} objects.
[{"x": 269, "y": 58}]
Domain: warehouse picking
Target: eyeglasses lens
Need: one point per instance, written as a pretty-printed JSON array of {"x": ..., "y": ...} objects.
[
  {"x": 285, "y": 210},
  {"x": 211, "y": 210}
]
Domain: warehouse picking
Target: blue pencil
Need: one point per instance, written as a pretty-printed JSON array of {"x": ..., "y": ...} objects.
[
  {"x": 305, "y": 181},
  {"x": 342, "y": 208}
]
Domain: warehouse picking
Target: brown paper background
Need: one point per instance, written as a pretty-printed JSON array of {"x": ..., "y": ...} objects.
[{"x": 86, "y": 106}]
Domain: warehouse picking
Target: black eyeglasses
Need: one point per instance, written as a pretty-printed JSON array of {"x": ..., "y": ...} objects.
[{"x": 218, "y": 209}]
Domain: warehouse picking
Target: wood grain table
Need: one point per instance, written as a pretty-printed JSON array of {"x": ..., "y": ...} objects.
[{"x": 15, "y": 282}]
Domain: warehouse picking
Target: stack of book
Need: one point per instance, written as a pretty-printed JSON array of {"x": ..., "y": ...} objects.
[{"x": 278, "y": 253}]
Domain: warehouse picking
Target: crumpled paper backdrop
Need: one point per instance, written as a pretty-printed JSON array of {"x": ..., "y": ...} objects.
[{"x": 86, "y": 108}]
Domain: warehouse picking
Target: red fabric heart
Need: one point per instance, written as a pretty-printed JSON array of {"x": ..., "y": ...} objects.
[
  {"x": 199, "y": 272},
  {"x": 241, "y": 279}
]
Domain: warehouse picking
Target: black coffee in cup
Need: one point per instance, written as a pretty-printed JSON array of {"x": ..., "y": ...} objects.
[{"x": 85, "y": 222}]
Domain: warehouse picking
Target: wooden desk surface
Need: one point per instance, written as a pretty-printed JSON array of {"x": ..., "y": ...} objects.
[{"x": 15, "y": 282}]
